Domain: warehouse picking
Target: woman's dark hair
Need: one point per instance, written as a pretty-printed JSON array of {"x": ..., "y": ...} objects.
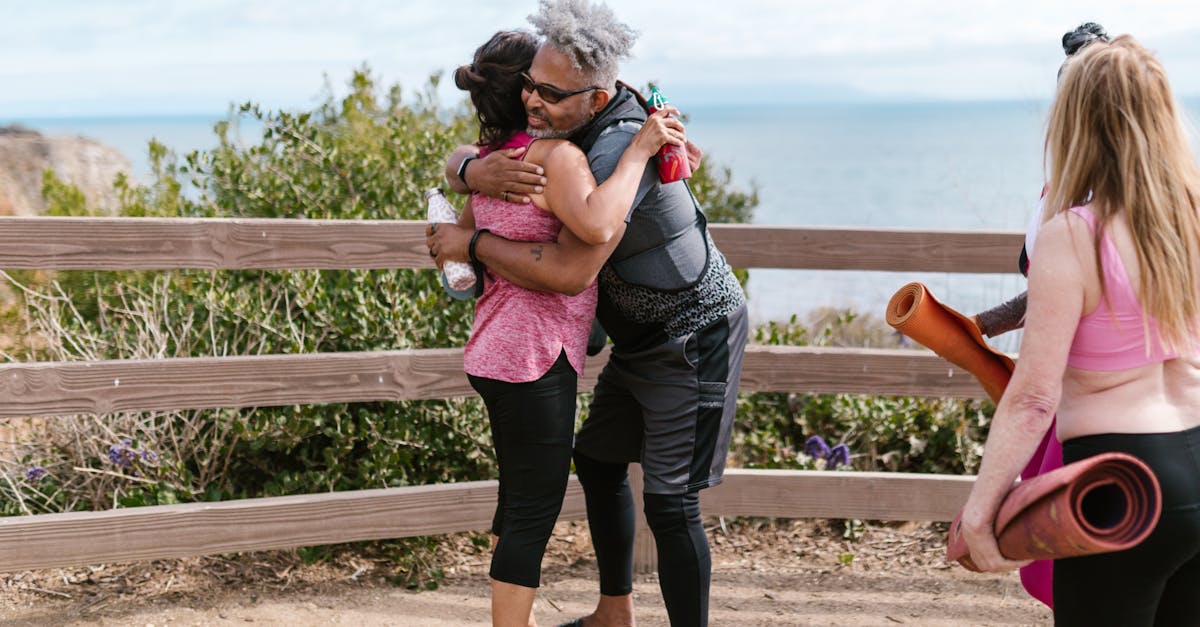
[
  {"x": 494, "y": 82},
  {"x": 1084, "y": 34}
]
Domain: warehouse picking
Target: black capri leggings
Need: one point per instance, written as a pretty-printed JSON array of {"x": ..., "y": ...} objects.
[
  {"x": 1158, "y": 581},
  {"x": 533, "y": 427},
  {"x": 684, "y": 561}
]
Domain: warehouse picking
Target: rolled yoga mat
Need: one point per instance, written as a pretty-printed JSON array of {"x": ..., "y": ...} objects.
[
  {"x": 914, "y": 312},
  {"x": 1109, "y": 502}
]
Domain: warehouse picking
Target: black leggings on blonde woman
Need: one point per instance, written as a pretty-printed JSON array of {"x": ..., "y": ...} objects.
[{"x": 1158, "y": 581}]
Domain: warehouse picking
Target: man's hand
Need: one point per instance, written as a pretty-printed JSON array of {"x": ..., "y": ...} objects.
[
  {"x": 501, "y": 175},
  {"x": 447, "y": 242}
]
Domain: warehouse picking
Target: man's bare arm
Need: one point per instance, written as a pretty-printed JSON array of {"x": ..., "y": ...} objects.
[
  {"x": 567, "y": 266},
  {"x": 456, "y": 159},
  {"x": 501, "y": 174}
]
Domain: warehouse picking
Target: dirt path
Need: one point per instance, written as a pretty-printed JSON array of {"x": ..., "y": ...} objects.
[{"x": 795, "y": 574}]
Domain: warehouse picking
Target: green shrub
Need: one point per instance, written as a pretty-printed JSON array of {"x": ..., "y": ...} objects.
[{"x": 884, "y": 433}]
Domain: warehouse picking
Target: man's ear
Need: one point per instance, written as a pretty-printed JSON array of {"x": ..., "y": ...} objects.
[{"x": 600, "y": 100}]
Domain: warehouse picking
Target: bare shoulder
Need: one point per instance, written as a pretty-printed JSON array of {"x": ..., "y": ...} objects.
[
  {"x": 555, "y": 154},
  {"x": 542, "y": 151},
  {"x": 1063, "y": 265},
  {"x": 1064, "y": 235}
]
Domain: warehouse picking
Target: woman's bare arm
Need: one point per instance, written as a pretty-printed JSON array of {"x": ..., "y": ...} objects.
[
  {"x": 1057, "y": 293},
  {"x": 594, "y": 213}
]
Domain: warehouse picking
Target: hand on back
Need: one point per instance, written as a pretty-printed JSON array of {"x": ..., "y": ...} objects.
[{"x": 502, "y": 174}]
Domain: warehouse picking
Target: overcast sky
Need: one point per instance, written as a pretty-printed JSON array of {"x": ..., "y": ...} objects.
[{"x": 70, "y": 58}]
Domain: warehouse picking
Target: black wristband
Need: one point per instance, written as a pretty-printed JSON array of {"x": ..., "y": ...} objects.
[
  {"x": 462, "y": 170},
  {"x": 471, "y": 246}
]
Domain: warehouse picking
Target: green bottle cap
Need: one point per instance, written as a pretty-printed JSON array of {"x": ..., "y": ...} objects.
[{"x": 657, "y": 99}]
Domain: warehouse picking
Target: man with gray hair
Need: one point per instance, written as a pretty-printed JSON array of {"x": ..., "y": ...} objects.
[{"x": 667, "y": 297}]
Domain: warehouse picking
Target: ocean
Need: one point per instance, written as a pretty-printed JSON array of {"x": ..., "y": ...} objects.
[{"x": 962, "y": 165}]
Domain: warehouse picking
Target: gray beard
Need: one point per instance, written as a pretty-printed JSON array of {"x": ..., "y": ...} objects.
[{"x": 554, "y": 133}]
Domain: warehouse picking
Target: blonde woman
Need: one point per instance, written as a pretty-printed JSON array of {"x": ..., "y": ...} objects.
[{"x": 1110, "y": 334}]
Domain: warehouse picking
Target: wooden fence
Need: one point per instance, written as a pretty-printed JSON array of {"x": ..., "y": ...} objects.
[{"x": 50, "y": 389}]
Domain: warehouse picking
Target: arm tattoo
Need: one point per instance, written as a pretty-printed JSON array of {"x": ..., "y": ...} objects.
[{"x": 536, "y": 251}]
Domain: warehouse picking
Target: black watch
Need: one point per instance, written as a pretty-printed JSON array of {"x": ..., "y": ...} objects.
[{"x": 462, "y": 170}]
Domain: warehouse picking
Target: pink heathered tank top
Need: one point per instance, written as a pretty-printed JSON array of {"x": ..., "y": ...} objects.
[
  {"x": 519, "y": 333},
  {"x": 1112, "y": 336}
]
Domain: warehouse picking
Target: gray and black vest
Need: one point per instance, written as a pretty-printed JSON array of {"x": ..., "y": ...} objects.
[{"x": 665, "y": 278}]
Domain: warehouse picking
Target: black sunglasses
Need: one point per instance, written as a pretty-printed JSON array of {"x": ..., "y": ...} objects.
[{"x": 550, "y": 93}]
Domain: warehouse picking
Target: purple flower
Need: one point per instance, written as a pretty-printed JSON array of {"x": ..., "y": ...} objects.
[
  {"x": 124, "y": 455},
  {"x": 839, "y": 454},
  {"x": 121, "y": 455},
  {"x": 816, "y": 447},
  {"x": 35, "y": 473}
]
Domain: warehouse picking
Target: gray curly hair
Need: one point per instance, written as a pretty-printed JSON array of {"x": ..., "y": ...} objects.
[{"x": 589, "y": 34}]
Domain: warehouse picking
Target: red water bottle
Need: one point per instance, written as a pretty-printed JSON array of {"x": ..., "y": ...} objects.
[{"x": 672, "y": 160}]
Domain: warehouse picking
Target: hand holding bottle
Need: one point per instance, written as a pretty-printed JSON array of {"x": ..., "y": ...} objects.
[
  {"x": 460, "y": 276},
  {"x": 673, "y": 162}
]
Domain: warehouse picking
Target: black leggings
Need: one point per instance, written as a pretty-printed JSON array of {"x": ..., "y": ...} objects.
[
  {"x": 1158, "y": 581},
  {"x": 533, "y": 426},
  {"x": 684, "y": 562}
]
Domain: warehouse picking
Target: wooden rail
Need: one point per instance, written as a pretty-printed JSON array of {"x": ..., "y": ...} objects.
[
  {"x": 261, "y": 244},
  {"x": 100, "y": 387},
  {"x": 168, "y": 531}
]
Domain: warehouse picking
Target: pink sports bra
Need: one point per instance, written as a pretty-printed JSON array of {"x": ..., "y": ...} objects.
[{"x": 1111, "y": 337}]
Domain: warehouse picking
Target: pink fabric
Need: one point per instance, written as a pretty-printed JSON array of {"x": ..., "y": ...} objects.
[
  {"x": 1111, "y": 337},
  {"x": 518, "y": 333},
  {"x": 1038, "y": 577}
]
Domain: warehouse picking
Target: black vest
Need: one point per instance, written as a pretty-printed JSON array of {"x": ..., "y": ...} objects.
[{"x": 664, "y": 246}]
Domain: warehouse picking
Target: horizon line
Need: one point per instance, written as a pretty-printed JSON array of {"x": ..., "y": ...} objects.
[{"x": 18, "y": 119}]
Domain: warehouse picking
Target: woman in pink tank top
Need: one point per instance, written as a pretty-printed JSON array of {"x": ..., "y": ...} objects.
[
  {"x": 527, "y": 347},
  {"x": 1110, "y": 337},
  {"x": 1037, "y": 578}
]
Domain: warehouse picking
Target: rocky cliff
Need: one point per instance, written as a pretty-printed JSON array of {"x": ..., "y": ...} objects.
[{"x": 25, "y": 154}]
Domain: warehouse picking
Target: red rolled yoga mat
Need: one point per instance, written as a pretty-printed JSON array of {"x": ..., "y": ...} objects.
[{"x": 1109, "y": 502}]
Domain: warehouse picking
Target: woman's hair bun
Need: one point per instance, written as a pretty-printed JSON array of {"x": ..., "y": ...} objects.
[{"x": 1084, "y": 34}]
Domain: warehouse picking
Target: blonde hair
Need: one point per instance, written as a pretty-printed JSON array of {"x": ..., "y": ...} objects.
[{"x": 1115, "y": 140}]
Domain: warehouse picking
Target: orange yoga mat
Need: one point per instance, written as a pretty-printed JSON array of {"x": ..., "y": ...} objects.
[
  {"x": 914, "y": 312},
  {"x": 1109, "y": 502}
]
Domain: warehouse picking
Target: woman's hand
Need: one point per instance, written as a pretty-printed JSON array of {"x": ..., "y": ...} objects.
[
  {"x": 502, "y": 175},
  {"x": 662, "y": 127},
  {"x": 978, "y": 532},
  {"x": 447, "y": 242}
]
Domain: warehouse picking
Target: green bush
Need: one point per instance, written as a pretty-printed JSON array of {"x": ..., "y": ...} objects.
[{"x": 883, "y": 433}]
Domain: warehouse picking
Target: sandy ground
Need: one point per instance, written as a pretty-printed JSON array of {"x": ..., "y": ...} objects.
[{"x": 765, "y": 573}]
